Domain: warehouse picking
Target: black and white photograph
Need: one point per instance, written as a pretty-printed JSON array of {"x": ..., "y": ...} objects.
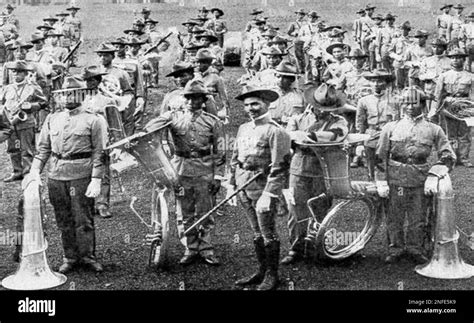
[{"x": 237, "y": 146}]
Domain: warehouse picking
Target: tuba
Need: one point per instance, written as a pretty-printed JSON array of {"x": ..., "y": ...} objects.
[
  {"x": 33, "y": 272},
  {"x": 147, "y": 148},
  {"x": 334, "y": 235},
  {"x": 445, "y": 262}
]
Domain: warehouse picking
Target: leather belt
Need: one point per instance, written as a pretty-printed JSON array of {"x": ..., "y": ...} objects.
[
  {"x": 72, "y": 156},
  {"x": 409, "y": 160},
  {"x": 193, "y": 154}
]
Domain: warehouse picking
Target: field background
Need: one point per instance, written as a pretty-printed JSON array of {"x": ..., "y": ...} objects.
[{"x": 119, "y": 240}]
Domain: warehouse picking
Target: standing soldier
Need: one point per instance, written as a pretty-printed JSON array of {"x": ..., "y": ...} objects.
[
  {"x": 19, "y": 101},
  {"x": 196, "y": 135},
  {"x": 75, "y": 26},
  {"x": 398, "y": 53},
  {"x": 370, "y": 40},
  {"x": 282, "y": 44},
  {"x": 58, "y": 53},
  {"x": 357, "y": 28},
  {"x": 261, "y": 146},
  {"x": 218, "y": 26},
  {"x": 20, "y": 50},
  {"x": 443, "y": 20},
  {"x": 185, "y": 39},
  {"x": 64, "y": 28},
  {"x": 306, "y": 173},
  {"x": 290, "y": 101},
  {"x": 335, "y": 72},
  {"x": 257, "y": 14},
  {"x": 253, "y": 42},
  {"x": 383, "y": 42},
  {"x": 10, "y": 17},
  {"x": 309, "y": 34},
  {"x": 183, "y": 73},
  {"x": 155, "y": 56},
  {"x": 454, "y": 27},
  {"x": 415, "y": 54},
  {"x": 294, "y": 31},
  {"x": 74, "y": 139},
  {"x": 466, "y": 37},
  {"x": 452, "y": 86},
  {"x": 268, "y": 77},
  {"x": 404, "y": 148},
  {"x": 208, "y": 40},
  {"x": 373, "y": 112},
  {"x": 367, "y": 27},
  {"x": 146, "y": 13}
]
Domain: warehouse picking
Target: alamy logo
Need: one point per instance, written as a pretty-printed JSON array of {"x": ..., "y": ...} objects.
[{"x": 37, "y": 306}]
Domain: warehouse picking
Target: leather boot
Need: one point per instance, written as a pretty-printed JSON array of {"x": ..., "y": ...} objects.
[
  {"x": 257, "y": 277},
  {"x": 272, "y": 253}
]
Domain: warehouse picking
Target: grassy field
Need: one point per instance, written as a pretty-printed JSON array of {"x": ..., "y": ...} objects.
[{"x": 120, "y": 239}]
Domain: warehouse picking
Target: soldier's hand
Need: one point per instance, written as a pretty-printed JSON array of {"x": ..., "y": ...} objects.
[
  {"x": 140, "y": 106},
  {"x": 382, "y": 189},
  {"x": 263, "y": 203},
  {"x": 93, "y": 190},
  {"x": 431, "y": 185},
  {"x": 230, "y": 192}
]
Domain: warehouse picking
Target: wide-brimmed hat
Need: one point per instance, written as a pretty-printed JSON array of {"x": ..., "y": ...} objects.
[
  {"x": 357, "y": 53},
  {"x": 50, "y": 18},
  {"x": 62, "y": 14},
  {"x": 360, "y": 11},
  {"x": 456, "y": 52},
  {"x": 421, "y": 33},
  {"x": 71, "y": 8},
  {"x": 446, "y": 6},
  {"x": 198, "y": 30},
  {"x": 204, "y": 54},
  {"x": 270, "y": 32},
  {"x": 323, "y": 97},
  {"x": 326, "y": 28},
  {"x": 301, "y": 12},
  {"x": 37, "y": 36},
  {"x": 134, "y": 41},
  {"x": 471, "y": 15},
  {"x": 146, "y": 10},
  {"x": 378, "y": 17},
  {"x": 378, "y": 74},
  {"x": 193, "y": 46},
  {"x": 219, "y": 10},
  {"x": 195, "y": 87},
  {"x": 106, "y": 48},
  {"x": 10, "y": 6},
  {"x": 72, "y": 83},
  {"x": 278, "y": 40},
  {"x": 389, "y": 16},
  {"x": 286, "y": 68},
  {"x": 180, "y": 68},
  {"x": 92, "y": 72},
  {"x": 134, "y": 31},
  {"x": 189, "y": 22},
  {"x": 331, "y": 47},
  {"x": 252, "y": 91},
  {"x": 201, "y": 19},
  {"x": 45, "y": 27},
  {"x": 256, "y": 12},
  {"x": 459, "y": 6},
  {"x": 209, "y": 35},
  {"x": 119, "y": 41},
  {"x": 336, "y": 32},
  {"x": 151, "y": 21},
  {"x": 54, "y": 34},
  {"x": 272, "y": 51},
  {"x": 260, "y": 21},
  {"x": 313, "y": 14},
  {"x": 20, "y": 43},
  {"x": 204, "y": 9},
  {"x": 406, "y": 25},
  {"x": 439, "y": 42},
  {"x": 20, "y": 66},
  {"x": 369, "y": 7}
]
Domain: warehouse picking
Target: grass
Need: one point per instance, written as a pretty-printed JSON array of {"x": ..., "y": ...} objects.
[{"x": 120, "y": 239}]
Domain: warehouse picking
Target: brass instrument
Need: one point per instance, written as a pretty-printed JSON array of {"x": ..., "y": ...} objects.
[
  {"x": 33, "y": 272},
  {"x": 334, "y": 159},
  {"x": 110, "y": 86},
  {"x": 446, "y": 262}
]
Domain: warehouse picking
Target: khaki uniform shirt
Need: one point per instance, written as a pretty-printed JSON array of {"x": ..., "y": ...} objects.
[
  {"x": 283, "y": 108},
  {"x": 399, "y": 51},
  {"x": 406, "y": 145},
  {"x": 454, "y": 27},
  {"x": 67, "y": 133},
  {"x": 455, "y": 84},
  {"x": 354, "y": 82},
  {"x": 442, "y": 22},
  {"x": 335, "y": 73},
  {"x": 258, "y": 144},
  {"x": 384, "y": 39},
  {"x": 294, "y": 30},
  {"x": 173, "y": 101},
  {"x": 135, "y": 74},
  {"x": 123, "y": 77},
  {"x": 430, "y": 70}
]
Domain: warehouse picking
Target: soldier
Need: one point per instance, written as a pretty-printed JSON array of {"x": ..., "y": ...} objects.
[
  {"x": 466, "y": 38},
  {"x": 75, "y": 26},
  {"x": 187, "y": 38},
  {"x": 213, "y": 82},
  {"x": 74, "y": 139},
  {"x": 19, "y": 100},
  {"x": 306, "y": 173},
  {"x": 357, "y": 27},
  {"x": 443, "y": 20},
  {"x": 257, "y": 14},
  {"x": 196, "y": 135},
  {"x": 294, "y": 31},
  {"x": 190, "y": 52},
  {"x": 383, "y": 42},
  {"x": 50, "y": 21},
  {"x": 454, "y": 85},
  {"x": 373, "y": 112},
  {"x": 309, "y": 34},
  {"x": 404, "y": 148},
  {"x": 203, "y": 12},
  {"x": 268, "y": 77},
  {"x": 183, "y": 72},
  {"x": 370, "y": 40},
  {"x": 58, "y": 53},
  {"x": 208, "y": 40},
  {"x": 415, "y": 54},
  {"x": 106, "y": 53},
  {"x": 96, "y": 102},
  {"x": 261, "y": 146},
  {"x": 146, "y": 13},
  {"x": 10, "y": 17},
  {"x": 335, "y": 72},
  {"x": 290, "y": 101},
  {"x": 20, "y": 50},
  {"x": 282, "y": 44},
  {"x": 64, "y": 28},
  {"x": 218, "y": 26},
  {"x": 398, "y": 53},
  {"x": 367, "y": 27},
  {"x": 454, "y": 26},
  {"x": 354, "y": 78},
  {"x": 253, "y": 42}
]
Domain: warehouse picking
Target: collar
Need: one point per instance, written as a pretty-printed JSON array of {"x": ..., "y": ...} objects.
[
  {"x": 264, "y": 118},
  {"x": 75, "y": 112},
  {"x": 381, "y": 94},
  {"x": 20, "y": 84},
  {"x": 415, "y": 119}
]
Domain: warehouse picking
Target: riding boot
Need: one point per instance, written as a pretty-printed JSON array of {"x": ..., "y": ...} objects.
[
  {"x": 257, "y": 277},
  {"x": 272, "y": 253}
]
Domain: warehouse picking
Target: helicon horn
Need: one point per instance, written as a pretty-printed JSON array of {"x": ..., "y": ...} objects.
[
  {"x": 33, "y": 272},
  {"x": 445, "y": 263}
]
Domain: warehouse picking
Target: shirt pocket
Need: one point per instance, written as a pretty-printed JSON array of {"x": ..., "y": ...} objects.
[{"x": 81, "y": 139}]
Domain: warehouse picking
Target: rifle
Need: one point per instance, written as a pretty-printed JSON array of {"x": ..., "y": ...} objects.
[
  {"x": 152, "y": 48},
  {"x": 71, "y": 52}
]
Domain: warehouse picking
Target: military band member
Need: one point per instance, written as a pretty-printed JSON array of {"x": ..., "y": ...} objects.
[
  {"x": 306, "y": 173},
  {"x": 383, "y": 42},
  {"x": 398, "y": 53},
  {"x": 453, "y": 85},
  {"x": 185, "y": 39},
  {"x": 146, "y": 13},
  {"x": 404, "y": 148},
  {"x": 357, "y": 28},
  {"x": 64, "y": 28},
  {"x": 208, "y": 40},
  {"x": 282, "y": 45},
  {"x": 268, "y": 77},
  {"x": 367, "y": 27},
  {"x": 20, "y": 50},
  {"x": 10, "y": 17},
  {"x": 290, "y": 101},
  {"x": 335, "y": 72},
  {"x": 183, "y": 72},
  {"x": 57, "y": 52},
  {"x": 190, "y": 51},
  {"x": 21, "y": 98},
  {"x": 415, "y": 54},
  {"x": 253, "y": 42},
  {"x": 310, "y": 35},
  {"x": 454, "y": 26},
  {"x": 443, "y": 20},
  {"x": 218, "y": 26},
  {"x": 75, "y": 27},
  {"x": 155, "y": 56},
  {"x": 294, "y": 31},
  {"x": 261, "y": 146},
  {"x": 257, "y": 14},
  {"x": 354, "y": 78},
  {"x": 373, "y": 112},
  {"x": 370, "y": 40},
  {"x": 106, "y": 53},
  {"x": 466, "y": 38},
  {"x": 196, "y": 135},
  {"x": 74, "y": 140}
]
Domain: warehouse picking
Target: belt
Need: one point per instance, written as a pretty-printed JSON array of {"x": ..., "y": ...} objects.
[
  {"x": 306, "y": 151},
  {"x": 248, "y": 167},
  {"x": 409, "y": 160},
  {"x": 193, "y": 154},
  {"x": 72, "y": 156}
]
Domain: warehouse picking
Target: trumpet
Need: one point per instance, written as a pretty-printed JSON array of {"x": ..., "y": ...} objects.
[{"x": 18, "y": 114}]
